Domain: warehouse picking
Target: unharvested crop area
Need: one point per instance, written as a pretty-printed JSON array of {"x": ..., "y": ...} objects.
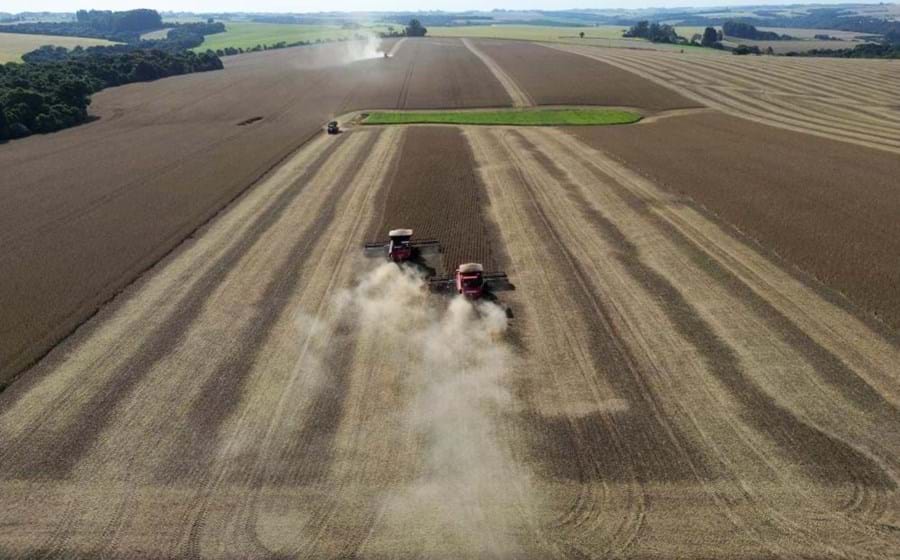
[
  {"x": 522, "y": 117},
  {"x": 249, "y": 34},
  {"x": 671, "y": 383}
]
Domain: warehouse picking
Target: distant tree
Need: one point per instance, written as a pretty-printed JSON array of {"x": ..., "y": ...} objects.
[
  {"x": 654, "y": 32},
  {"x": 640, "y": 29},
  {"x": 709, "y": 37},
  {"x": 18, "y": 130},
  {"x": 744, "y": 49},
  {"x": 720, "y": 35},
  {"x": 415, "y": 29},
  {"x": 747, "y": 31},
  {"x": 144, "y": 71},
  {"x": 581, "y": 34},
  {"x": 770, "y": 50},
  {"x": 4, "y": 126},
  {"x": 210, "y": 20},
  {"x": 696, "y": 38}
]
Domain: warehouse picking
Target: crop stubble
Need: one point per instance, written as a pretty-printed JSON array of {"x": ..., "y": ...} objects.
[
  {"x": 826, "y": 207},
  {"x": 676, "y": 392},
  {"x": 696, "y": 334},
  {"x": 88, "y": 209},
  {"x": 853, "y": 101}
]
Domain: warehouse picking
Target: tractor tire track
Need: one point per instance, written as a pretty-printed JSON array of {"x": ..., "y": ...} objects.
[{"x": 517, "y": 95}]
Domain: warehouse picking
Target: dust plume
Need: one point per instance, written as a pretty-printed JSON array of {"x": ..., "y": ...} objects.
[
  {"x": 466, "y": 489},
  {"x": 364, "y": 46}
]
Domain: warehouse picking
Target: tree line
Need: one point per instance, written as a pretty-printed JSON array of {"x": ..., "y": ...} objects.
[
  {"x": 747, "y": 31},
  {"x": 51, "y": 89},
  {"x": 413, "y": 29},
  {"x": 123, "y": 27},
  {"x": 887, "y": 47}
]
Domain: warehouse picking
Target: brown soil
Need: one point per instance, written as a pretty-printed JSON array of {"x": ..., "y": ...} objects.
[
  {"x": 436, "y": 191},
  {"x": 553, "y": 77},
  {"x": 90, "y": 208},
  {"x": 828, "y": 207}
]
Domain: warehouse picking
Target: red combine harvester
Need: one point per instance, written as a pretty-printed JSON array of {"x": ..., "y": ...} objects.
[
  {"x": 470, "y": 281},
  {"x": 400, "y": 248}
]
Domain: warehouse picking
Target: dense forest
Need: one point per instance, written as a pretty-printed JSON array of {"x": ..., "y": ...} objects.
[
  {"x": 747, "y": 31},
  {"x": 866, "y": 50},
  {"x": 655, "y": 32},
  {"x": 52, "y": 89}
]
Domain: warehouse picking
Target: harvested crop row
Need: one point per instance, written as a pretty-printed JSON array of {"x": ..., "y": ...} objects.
[
  {"x": 797, "y": 95},
  {"x": 675, "y": 377},
  {"x": 827, "y": 207}
]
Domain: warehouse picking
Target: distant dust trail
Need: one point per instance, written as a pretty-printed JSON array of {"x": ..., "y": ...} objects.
[
  {"x": 347, "y": 52},
  {"x": 519, "y": 97}
]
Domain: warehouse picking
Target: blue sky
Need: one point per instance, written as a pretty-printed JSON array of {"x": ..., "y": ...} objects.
[{"x": 353, "y": 5}]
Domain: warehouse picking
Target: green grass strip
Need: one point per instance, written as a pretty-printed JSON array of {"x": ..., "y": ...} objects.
[{"x": 519, "y": 117}]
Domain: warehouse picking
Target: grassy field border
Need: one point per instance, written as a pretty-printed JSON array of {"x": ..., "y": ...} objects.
[{"x": 537, "y": 116}]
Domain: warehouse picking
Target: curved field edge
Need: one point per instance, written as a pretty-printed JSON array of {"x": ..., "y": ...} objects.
[{"x": 516, "y": 117}]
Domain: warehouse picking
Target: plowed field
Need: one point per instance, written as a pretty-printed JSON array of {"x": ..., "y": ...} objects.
[{"x": 674, "y": 378}]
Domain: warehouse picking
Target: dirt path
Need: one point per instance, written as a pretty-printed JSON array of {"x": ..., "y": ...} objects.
[{"x": 520, "y": 97}]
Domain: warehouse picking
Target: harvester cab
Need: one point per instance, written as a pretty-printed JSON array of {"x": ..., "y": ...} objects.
[
  {"x": 333, "y": 127},
  {"x": 472, "y": 282},
  {"x": 400, "y": 248},
  {"x": 400, "y": 245}
]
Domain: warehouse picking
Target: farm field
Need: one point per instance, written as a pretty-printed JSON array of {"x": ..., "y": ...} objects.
[
  {"x": 611, "y": 36},
  {"x": 177, "y": 161},
  {"x": 781, "y": 47},
  {"x": 697, "y": 360},
  {"x": 550, "y": 78},
  {"x": 14, "y": 45},
  {"x": 821, "y": 97},
  {"x": 600, "y": 35},
  {"x": 249, "y": 34}
]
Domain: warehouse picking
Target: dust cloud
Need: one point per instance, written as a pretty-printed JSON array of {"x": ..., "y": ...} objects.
[
  {"x": 365, "y": 46},
  {"x": 465, "y": 489}
]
